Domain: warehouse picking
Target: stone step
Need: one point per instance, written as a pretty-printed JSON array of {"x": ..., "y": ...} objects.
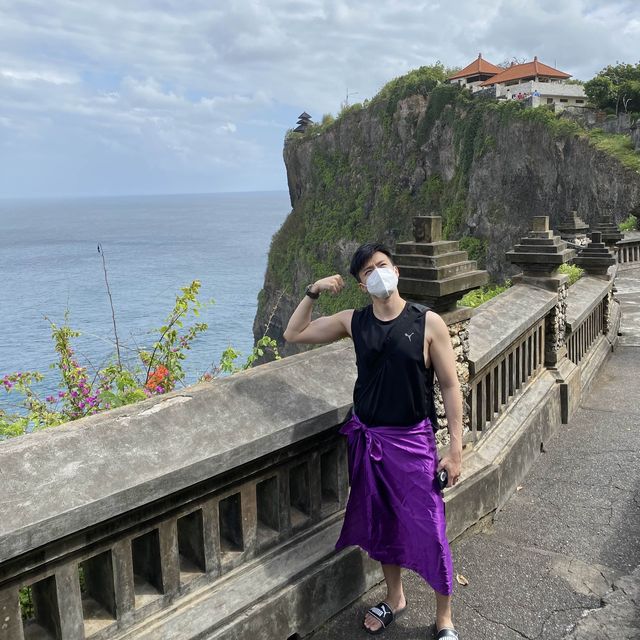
[
  {"x": 542, "y": 242},
  {"x": 556, "y": 258},
  {"x": 428, "y": 248},
  {"x": 441, "y": 260},
  {"x": 537, "y": 248},
  {"x": 426, "y": 289},
  {"x": 439, "y": 272}
]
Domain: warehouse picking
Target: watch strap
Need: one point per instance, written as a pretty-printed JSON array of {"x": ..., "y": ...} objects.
[{"x": 308, "y": 292}]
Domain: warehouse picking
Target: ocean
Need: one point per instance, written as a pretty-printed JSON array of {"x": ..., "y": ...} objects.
[{"x": 153, "y": 245}]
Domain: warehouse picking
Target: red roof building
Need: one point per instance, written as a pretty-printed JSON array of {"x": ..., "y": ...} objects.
[
  {"x": 472, "y": 72},
  {"x": 534, "y": 82},
  {"x": 534, "y": 70}
]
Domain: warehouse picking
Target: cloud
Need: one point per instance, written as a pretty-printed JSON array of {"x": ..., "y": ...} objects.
[{"x": 207, "y": 90}]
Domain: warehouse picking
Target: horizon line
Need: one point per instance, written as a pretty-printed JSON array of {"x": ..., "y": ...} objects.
[{"x": 136, "y": 195}]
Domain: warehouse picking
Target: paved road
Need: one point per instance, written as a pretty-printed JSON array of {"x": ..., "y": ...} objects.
[{"x": 561, "y": 559}]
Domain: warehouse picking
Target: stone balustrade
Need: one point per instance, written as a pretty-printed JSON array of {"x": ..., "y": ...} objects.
[
  {"x": 507, "y": 350},
  {"x": 112, "y": 521},
  {"x": 629, "y": 248}
]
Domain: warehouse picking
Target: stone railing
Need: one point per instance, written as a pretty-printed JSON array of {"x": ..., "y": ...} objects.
[
  {"x": 629, "y": 248},
  {"x": 587, "y": 311},
  {"x": 235, "y": 488},
  {"x": 507, "y": 350}
]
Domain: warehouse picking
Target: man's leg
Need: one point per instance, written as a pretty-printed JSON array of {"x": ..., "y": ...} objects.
[
  {"x": 395, "y": 595},
  {"x": 443, "y": 611}
]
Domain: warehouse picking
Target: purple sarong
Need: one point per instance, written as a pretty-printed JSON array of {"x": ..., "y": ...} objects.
[{"x": 395, "y": 510}]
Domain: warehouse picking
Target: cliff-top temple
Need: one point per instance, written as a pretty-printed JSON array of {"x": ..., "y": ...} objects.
[{"x": 533, "y": 80}]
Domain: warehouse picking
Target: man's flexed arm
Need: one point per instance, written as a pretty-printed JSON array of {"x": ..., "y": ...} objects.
[{"x": 323, "y": 330}]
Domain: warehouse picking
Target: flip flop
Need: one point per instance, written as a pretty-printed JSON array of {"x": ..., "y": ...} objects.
[
  {"x": 446, "y": 632},
  {"x": 384, "y": 615}
]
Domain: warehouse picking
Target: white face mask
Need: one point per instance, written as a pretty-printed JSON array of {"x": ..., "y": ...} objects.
[{"x": 381, "y": 283}]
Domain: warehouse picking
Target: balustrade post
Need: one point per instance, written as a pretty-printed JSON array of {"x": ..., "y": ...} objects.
[
  {"x": 539, "y": 254},
  {"x": 169, "y": 556},
  {"x": 69, "y": 603},
  {"x": 10, "y": 615},
  {"x": 123, "y": 580}
]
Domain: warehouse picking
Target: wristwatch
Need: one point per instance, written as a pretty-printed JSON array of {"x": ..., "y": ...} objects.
[{"x": 308, "y": 292}]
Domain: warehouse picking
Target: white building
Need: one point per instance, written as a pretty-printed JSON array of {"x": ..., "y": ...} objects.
[{"x": 533, "y": 81}]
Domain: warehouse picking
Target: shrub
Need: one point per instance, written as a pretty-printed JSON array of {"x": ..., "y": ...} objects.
[
  {"x": 630, "y": 224},
  {"x": 479, "y": 296},
  {"x": 573, "y": 271}
]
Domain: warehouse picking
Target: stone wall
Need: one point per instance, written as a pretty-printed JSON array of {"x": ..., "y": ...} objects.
[{"x": 459, "y": 334}]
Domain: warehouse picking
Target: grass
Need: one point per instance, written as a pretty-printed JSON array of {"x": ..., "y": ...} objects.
[
  {"x": 630, "y": 224},
  {"x": 618, "y": 145},
  {"x": 573, "y": 271},
  {"x": 479, "y": 296}
]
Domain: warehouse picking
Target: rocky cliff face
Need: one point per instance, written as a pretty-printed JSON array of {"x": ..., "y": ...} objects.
[{"x": 486, "y": 168}]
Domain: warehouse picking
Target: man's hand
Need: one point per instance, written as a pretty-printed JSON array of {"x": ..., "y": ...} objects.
[
  {"x": 332, "y": 284},
  {"x": 325, "y": 329},
  {"x": 452, "y": 462}
]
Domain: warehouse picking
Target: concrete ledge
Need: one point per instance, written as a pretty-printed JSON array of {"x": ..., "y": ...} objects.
[
  {"x": 64, "y": 480},
  {"x": 497, "y": 323},
  {"x": 582, "y": 297}
]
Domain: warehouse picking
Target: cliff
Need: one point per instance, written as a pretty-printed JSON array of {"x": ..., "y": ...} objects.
[{"x": 422, "y": 147}]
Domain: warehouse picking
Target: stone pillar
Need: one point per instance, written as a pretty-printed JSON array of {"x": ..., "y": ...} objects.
[
  {"x": 539, "y": 255},
  {"x": 573, "y": 229},
  {"x": 435, "y": 272},
  {"x": 596, "y": 258},
  {"x": 609, "y": 231},
  {"x": 458, "y": 324}
]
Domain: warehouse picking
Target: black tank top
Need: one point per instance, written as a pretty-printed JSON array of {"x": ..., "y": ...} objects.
[{"x": 400, "y": 393}]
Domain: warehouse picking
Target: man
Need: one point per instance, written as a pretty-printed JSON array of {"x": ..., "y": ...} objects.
[{"x": 395, "y": 510}]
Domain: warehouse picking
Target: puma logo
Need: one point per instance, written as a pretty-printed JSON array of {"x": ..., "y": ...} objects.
[{"x": 409, "y": 335}]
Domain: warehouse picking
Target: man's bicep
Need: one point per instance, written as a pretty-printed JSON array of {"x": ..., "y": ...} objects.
[{"x": 327, "y": 329}]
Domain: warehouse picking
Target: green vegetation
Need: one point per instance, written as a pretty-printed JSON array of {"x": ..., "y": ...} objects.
[
  {"x": 630, "y": 224},
  {"x": 617, "y": 145},
  {"x": 153, "y": 371},
  {"x": 616, "y": 88},
  {"x": 421, "y": 81},
  {"x": 573, "y": 271},
  {"x": 476, "y": 248},
  {"x": 479, "y": 296}
]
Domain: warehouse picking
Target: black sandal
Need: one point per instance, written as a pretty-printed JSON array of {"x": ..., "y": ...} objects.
[
  {"x": 447, "y": 632},
  {"x": 384, "y": 615}
]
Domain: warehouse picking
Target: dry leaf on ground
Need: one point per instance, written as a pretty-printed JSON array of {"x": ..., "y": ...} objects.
[{"x": 461, "y": 579}]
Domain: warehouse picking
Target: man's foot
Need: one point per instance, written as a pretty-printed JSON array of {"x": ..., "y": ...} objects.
[
  {"x": 446, "y": 632},
  {"x": 375, "y": 620}
]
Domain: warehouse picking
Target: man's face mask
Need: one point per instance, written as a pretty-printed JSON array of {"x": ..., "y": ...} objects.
[{"x": 381, "y": 283}]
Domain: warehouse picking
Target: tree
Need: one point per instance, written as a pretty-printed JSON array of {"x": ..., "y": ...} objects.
[
  {"x": 600, "y": 91},
  {"x": 615, "y": 87}
]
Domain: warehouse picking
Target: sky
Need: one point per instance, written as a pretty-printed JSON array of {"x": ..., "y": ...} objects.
[{"x": 194, "y": 96}]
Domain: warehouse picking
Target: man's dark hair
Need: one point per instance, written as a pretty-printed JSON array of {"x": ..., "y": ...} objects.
[{"x": 363, "y": 255}]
